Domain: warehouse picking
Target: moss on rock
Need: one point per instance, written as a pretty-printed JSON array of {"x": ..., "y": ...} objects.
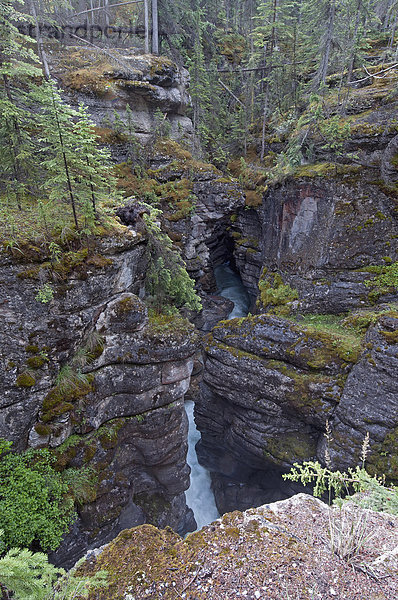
[{"x": 25, "y": 380}]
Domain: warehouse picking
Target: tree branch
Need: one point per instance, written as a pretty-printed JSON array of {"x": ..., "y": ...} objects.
[{"x": 83, "y": 12}]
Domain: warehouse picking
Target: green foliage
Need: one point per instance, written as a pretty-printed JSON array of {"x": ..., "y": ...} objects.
[
  {"x": 353, "y": 485},
  {"x": 275, "y": 296},
  {"x": 49, "y": 152},
  {"x": 36, "y": 502},
  {"x": 29, "y": 576},
  {"x": 162, "y": 125},
  {"x": 335, "y": 133},
  {"x": 167, "y": 281},
  {"x": 45, "y": 293},
  {"x": 386, "y": 278}
]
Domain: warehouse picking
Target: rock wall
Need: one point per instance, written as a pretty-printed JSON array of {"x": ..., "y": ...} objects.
[
  {"x": 271, "y": 385},
  {"x": 91, "y": 376},
  {"x": 312, "y": 246},
  {"x": 109, "y": 83},
  {"x": 323, "y": 235}
]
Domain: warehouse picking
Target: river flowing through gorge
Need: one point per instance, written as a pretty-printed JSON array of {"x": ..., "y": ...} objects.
[{"x": 200, "y": 497}]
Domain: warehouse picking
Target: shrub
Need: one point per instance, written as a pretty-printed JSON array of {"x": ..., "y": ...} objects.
[{"x": 36, "y": 506}]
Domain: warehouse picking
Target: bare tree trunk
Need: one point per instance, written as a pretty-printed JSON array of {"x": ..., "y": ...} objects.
[
  {"x": 106, "y": 4},
  {"x": 146, "y": 20},
  {"x": 393, "y": 30},
  {"x": 265, "y": 114},
  {"x": 16, "y": 166},
  {"x": 39, "y": 40},
  {"x": 267, "y": 75},
  {"x": 320, "y": 76},
  {"x": 66, "y": 166},
  {"x": 155, "y": 27}
]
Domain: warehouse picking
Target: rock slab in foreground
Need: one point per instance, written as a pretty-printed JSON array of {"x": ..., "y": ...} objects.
[{"x": 276, "y": 551}]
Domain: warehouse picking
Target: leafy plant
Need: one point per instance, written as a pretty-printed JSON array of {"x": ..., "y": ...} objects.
[
  {"x": 386, "y": 278},
  {"x": 36, "y": 501},
  {"x": 347, "y": 529},
  {"x": 45, "y": 293}
]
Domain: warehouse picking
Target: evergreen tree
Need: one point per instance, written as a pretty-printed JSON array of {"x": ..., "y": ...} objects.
[
  {"x": 76, "y": 168},
  {"x": 18, "y": 65}
]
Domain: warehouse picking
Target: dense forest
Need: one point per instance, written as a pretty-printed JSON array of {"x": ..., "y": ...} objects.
[
  {"x": 255, "y": 66},
  {"x": 267, "y": 77}
]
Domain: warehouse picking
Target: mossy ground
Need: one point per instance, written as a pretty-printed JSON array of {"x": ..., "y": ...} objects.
[{"x": 27, "y": 234}]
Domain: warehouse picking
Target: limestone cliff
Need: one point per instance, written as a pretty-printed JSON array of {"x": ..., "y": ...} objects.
[
  {"x": 316, "y": 244},
  {"x": 270, "y": 385},
  {"x": 110, "y": 81},
  {"x": 91, "y": 376}
]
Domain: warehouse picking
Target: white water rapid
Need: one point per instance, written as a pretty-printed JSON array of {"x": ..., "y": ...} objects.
[
  {"x": 230, "y": 286},
  {"x": 199, "y": 495}
]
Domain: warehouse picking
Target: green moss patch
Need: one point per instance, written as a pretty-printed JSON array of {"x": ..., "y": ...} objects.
[
  {"x": 290, "y": 447},
  {"x": 61, "y": 398},
  {"x": 35, "y": 362},
  {"x": 275, "y": 296},
  {"x": 25, "y": 380},
  {"x": 384, "y": 457},
  {"x": 326, "y": 170}
]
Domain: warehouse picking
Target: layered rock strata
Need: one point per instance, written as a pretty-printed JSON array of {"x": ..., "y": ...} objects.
[
  {"x": 270, "y": 386},
  {"x": 323, "y": 235},
  {"x": 109, "y": 83},
  {"x": 91, "y": 376}
]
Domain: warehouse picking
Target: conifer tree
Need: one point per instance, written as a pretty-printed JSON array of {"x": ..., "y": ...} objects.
[
  {"x": 18, "y": 65},
  {"x": 76, "y": 168}
]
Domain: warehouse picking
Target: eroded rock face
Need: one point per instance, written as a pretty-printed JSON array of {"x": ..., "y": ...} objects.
[
  {"x": 270, "y": 386},
  {"x": 117, "y": 405},
  {"x": 108, "y": 84},
  {"x": 321, "y": 234},
  {"x": 197, "y": 223},
  {"x": 276, "y": 550},
  {"x": 369, "y": 405}
]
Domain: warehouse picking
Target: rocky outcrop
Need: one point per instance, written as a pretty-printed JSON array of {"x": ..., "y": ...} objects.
[
  {"x": 201, "y": 233},
  {"x": 286, "y": 549},
  {"x": 91, "y": 376},
  {"x": 197, "y": 203},
  {"x": 110, "y": 82},
  {"x": 270, "y": 386},
  {"x": 323, "y": 234},
  {"x": 369, "y": 405}
]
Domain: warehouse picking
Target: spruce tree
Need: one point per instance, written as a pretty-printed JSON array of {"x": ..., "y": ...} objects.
[
  {"x": 76, "y": 168},
  {"x": 18, "y": 65}
]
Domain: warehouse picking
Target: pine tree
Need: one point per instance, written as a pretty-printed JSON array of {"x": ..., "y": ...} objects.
[
  {"x": 18, "y": 65},
  {"x": 76, "y": 168}
]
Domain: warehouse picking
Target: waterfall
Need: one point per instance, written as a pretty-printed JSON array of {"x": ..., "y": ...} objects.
[{"x": 200, "y": 496}]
